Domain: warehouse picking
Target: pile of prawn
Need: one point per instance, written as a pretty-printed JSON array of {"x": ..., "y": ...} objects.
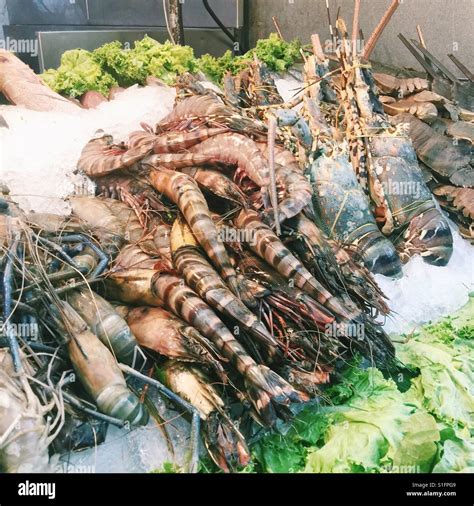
[
  {"x": 225, "y": 261},
  {"x": 177, "y": 265}
]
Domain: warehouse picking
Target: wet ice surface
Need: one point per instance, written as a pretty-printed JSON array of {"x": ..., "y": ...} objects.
[
  {"x": 289, "y": 88},
  {"x": 426, "y": 292},
  {"x": 40, "y": 149},
  {"x": 140, "y": 450}
]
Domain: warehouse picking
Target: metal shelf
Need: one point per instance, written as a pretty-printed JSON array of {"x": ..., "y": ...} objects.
[{"x": 120, "y": 13}]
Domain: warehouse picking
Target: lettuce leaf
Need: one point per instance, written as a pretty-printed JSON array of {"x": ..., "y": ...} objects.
[
  {"x": 280, "y": 454},
  {"x": 147, "y": 58},
  {"x": 445, "y": 360},
  {"x": 350, "y": 448},
  {"x": 275, "y": 53},
  {"x": 373, "y": 429},
  {"x": 112, "y": 64},
  {"x": 458, "y": 457},
  {"x": 277, "y": 453},
  {"x": 77, "y": 74},
  {"x": 456, "y": 451},
  {"x": 378, "y": 432},
  {"x": 215, "y": 68}
]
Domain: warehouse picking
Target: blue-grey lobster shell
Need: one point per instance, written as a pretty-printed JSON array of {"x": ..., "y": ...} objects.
[
  {"x": 343, "y": 210},
  {"x": 418, "y": 226}
]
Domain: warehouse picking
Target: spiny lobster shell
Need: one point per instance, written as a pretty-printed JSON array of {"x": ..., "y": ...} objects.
[
  {"x": 345, "y": 213},
  {"x": 459, "y": 203},
  {"x": 452, "y": 161}
]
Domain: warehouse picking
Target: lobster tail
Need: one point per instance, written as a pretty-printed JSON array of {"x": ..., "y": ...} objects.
[
  {"x": 379, "y": 256},
  {"x": 429, "y": 235}
]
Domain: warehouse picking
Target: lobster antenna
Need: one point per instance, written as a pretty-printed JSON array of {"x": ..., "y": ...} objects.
[
  {"x": 317, "y": 48},
  {"x": 341, "y": 26},
  {"x": 336, "y": 30},
  {"x": 380, "y": 28},
  {"x": 420, "y": 36},
  {"x": 355, "y": 25},
  {"x": 435, "y": 60},
  {"x": 427, "y": 67},
  {"x": 272, "y": 126},
  {"x": 331, "y": 31},
  {"x": 462, "y": 67},
  {"x": 277, "y": 27}
]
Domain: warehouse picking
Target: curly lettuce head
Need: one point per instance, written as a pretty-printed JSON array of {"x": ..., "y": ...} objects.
[
  {"x": 276, "y": 53},
  {"x": 77, "y": 74},
  {"x": 165, "y": 61}
]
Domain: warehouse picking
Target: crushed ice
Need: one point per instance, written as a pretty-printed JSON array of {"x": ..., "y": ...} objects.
[
  {"x": 425, "y": 292},
  {"x": 40, "y": 149}
]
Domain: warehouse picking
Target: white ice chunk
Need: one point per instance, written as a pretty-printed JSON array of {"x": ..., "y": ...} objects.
[
  {"x": 141, "y": 450},
  {"x": 289, "y": 88},
  {"x": 426, "y": 292},
  {"x": 39, "y": 150}
]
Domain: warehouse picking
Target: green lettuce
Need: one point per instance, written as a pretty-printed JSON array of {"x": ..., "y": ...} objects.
[
  {"x": 377, "y": 431},
  {"x": 112, "y": 64},
  {"x": 444, "y": 355},
  {"x": 277, "y": 54},
  {"x": 278, "y": 453},
  {"x": 215, "y": 68},
  {"x": 77, "y": 74},
  {"x": 371, "y": 427},
  {"x": 147, "y": 58},
  {"x": 127, "y": 68},
  {"x": 457, "y": 453}
]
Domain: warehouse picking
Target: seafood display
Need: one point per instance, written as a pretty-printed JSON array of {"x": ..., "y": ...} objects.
[
  {"x": 226, "y": 257},
  {"x": 384, "y": 158},
  {"x": 437, "y": 114}
]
